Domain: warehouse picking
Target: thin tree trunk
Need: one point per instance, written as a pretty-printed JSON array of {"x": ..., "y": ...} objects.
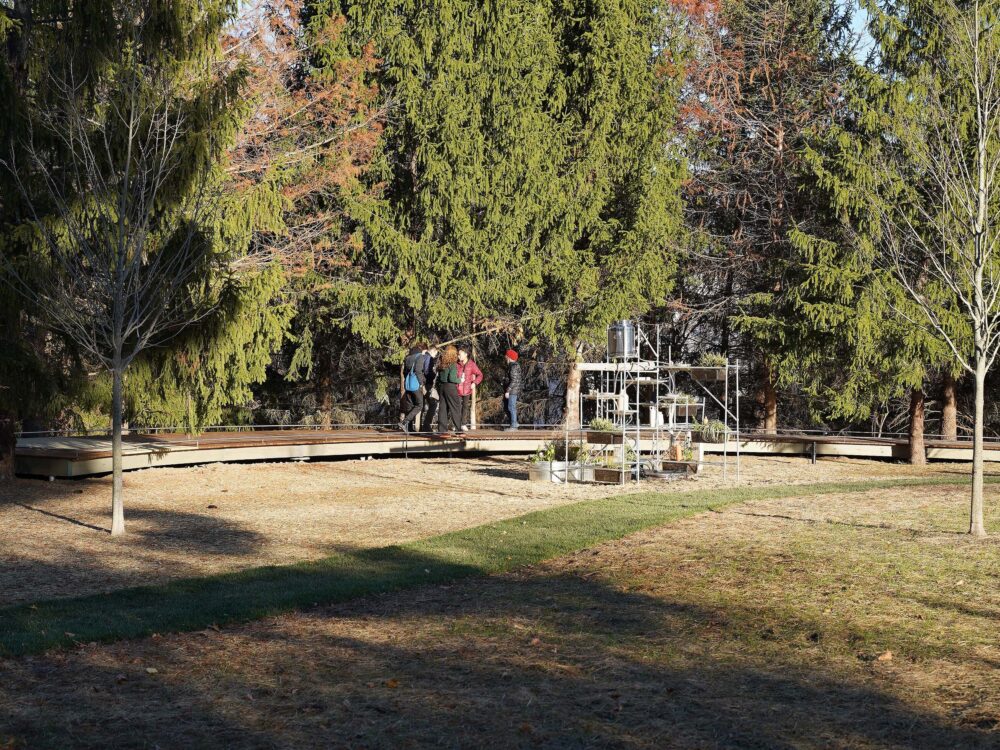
[
  {"x": 8, "y": 442},
  {"x": 769, "y": 399},
  {"x": 117, "y": 502},
  {"x": 918, "y": 456},
  {"x": 976, "y": 525},
  {"x": 473, "y": 417},
  {"x": 949, "y": 408},
  {"x": 573, "y": 379}
]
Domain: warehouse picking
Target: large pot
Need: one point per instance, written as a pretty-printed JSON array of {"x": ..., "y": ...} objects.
[{"x": 548, "y": 471}]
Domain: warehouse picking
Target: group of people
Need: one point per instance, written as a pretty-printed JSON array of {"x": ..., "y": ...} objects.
[{"x": 441, "y": 382}]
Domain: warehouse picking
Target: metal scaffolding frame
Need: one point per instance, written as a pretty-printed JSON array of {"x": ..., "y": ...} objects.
[{"x": 621, "y": 399}]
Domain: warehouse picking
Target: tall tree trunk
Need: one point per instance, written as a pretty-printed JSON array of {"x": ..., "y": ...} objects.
[
  {"x": 473, "y": 416},
  {"x": 918, "y": 456},
  {"x": 769, "y": 400},
  {"x": 976, "y": 525},
  {"x": 117, "y": 501},
  {"x": 8, "y": 442},
  {"x": 949, "y": 408},
  {"x": 573, "y": 379}
]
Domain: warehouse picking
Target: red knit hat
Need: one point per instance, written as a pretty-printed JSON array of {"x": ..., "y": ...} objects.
[{"x": 512, "y": 354}]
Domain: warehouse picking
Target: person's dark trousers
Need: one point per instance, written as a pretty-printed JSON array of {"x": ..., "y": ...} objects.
[
  {"x": 417, "y": 399},
  {"x": 427, "y": 420},
  {"x": 510, "y": 406},
  {"x": 467, "y": 410},
  {"x": 450, "y": 407}
]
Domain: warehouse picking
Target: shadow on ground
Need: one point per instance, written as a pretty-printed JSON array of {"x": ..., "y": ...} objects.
[{"x": 555, "y": 661}]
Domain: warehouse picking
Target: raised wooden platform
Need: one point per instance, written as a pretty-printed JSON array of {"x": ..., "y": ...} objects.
[{"x": 86, "y": 456}]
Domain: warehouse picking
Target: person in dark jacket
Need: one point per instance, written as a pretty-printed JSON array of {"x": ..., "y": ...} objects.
[
  {"x": 414, "y": 363},
  {"x": 512, "y": 388},
  {"x": 430, "y": 388},
  {"x": 447, "y": 383}
]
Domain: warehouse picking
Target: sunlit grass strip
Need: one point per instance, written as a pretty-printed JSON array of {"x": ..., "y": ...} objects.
[{"x": 196, "y": 603}]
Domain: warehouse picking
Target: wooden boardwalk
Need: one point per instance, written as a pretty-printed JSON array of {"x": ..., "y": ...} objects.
[{"x": 88, "y": 456}]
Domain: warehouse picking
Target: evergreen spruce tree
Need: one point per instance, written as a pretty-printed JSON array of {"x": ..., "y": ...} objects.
[
  {"x": 120, "y": 117},
  {"x": 530, "y": 179}
]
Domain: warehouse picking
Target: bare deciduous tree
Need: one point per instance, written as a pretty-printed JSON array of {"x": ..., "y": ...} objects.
[
  {"x": 939, "y": 233},
  {"x": 117, "y": 204}
]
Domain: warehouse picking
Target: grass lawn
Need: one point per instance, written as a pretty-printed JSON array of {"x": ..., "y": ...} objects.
[
  {"x": 847, "y": 616},
  {"x": 257, "y": 592}
]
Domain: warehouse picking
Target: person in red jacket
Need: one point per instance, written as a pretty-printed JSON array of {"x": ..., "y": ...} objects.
[{"x": 469, "y": 376}]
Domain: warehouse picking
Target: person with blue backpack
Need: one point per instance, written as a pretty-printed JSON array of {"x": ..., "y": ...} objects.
[
  {"x": 413, "y": 384},
  {"x": 431, "y": 393}
]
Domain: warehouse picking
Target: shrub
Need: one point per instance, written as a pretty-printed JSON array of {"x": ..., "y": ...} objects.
[{"x": 712, "y": 359}]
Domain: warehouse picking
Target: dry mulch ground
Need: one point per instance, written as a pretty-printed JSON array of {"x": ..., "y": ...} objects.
[
  {"x": 185, "y": 522},
  {"x": 853, "y": 621}
]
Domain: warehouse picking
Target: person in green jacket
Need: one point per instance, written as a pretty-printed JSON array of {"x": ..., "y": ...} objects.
[{"x": 450, "y": 407}]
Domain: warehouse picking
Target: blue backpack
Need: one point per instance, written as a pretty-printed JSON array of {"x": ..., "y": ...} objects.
[{"x": 412, "y": 383}]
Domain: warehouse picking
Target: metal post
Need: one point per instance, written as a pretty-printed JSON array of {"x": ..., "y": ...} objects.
[
  {"x": 725, "y": 430},
  {"x": 737, "y": 420}
]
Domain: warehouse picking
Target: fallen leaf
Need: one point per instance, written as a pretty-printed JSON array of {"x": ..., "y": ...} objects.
[
  {"x": 152, "y": 670},
  {"x": 392, "y": 684},
  {"x": 886, "y": 656}
]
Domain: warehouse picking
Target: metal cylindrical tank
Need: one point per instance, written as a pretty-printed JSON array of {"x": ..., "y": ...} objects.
[{"x": 621, "y": 340}]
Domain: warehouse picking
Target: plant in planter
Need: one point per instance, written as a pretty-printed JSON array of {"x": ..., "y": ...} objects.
[
  {"x": 687, "y": 405},
  {"x": 553, "y": 461},
  {"x": 712, "y": 359},
  {"x": 603, "y": 431},
  {"x": 712, "y": 431},
  {"x": 710, "y": 367}
]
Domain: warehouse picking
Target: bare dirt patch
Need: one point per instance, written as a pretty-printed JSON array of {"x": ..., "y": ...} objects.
[
  {"x": 185, "y": 522},
  {"x": 853, "y": 621}
]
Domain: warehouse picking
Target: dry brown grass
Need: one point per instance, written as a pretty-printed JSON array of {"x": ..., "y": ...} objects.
[
  {"x": 185, "y": 522},
  {"x": 758, "y": 626}
]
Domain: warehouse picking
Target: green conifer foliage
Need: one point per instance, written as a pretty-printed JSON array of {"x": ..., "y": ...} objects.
[
  {"x": 527, "y": 167},
  {"x": 212, "y": 364},
  {"x": 911, "y": 169}
]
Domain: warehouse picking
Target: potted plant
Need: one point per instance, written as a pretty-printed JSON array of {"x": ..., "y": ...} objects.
[
  {"x": 608, "y": 467},
  {"x": 711, "y": 368},
  {"x": 602, "y": 432},
  {"x": 553, "y": 462},
  {"x": 687, "y": 406},
  {"x": 712, "y": 431}
]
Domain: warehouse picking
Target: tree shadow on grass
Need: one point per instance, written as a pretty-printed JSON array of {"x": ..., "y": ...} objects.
[
  {"x": 501, "y": 473},
  {"x": 159, "y": 544},
  {"x": 554, "y": 661}
]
